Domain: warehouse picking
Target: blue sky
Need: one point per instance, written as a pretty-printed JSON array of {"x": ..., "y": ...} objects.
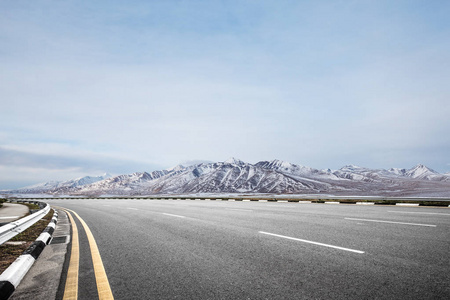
[{"x": 88, "y": 87}]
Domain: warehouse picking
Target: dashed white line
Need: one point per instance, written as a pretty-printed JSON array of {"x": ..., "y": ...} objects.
[
  {"x": 418, "y": 212},
  {"x": 132, "y": 208},
  {"x": 391, "y": 222},
  {"x": 239, "y": 209},
  {"x": 311, "y": 242},
  {"x": 172, "y": 215}
]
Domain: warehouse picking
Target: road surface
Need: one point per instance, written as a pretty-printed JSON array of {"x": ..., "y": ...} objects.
[
  {"x": 12, "y": 211},
  {"x": 185, "y": 249}
]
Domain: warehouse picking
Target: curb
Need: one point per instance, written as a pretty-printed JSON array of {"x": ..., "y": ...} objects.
[
  {"x": 13, "y": 275},
  {"x": 306, "y": 201},
  {"x": 407, "y": 204},
  {"x": 317, "y": 201}
]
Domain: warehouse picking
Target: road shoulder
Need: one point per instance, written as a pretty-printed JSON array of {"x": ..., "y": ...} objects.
[{"x": 43, "y": 279}]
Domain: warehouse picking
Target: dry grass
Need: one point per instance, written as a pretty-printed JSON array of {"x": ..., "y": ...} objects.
[
  {"x": 30, "y": 205},
  {"x": 9, "y": 253}
]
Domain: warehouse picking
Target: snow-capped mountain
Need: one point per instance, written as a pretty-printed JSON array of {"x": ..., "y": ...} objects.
[
  {"x": 235, "y": 176},
  {"x": 40, "y": 187},
  {"x": 397, "y": 171},
  {"x": 176, "y": 168},
  {"x": 422, "y": 172},
  {"x": 417, "y": 172},
  {"x": 235, "y": 161},
  {"x": 286, "y": 167},
  {"x": 84, "y": 180},
  {"x": 357, "y": 173},
  {"x": 62, "y": 185},
  {"x": 276, "y": 176}
]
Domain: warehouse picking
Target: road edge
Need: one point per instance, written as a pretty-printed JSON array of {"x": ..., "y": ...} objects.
[{"x": 13, "y": 275}]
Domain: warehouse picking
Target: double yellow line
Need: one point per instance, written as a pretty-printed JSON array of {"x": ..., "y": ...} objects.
[{"x": 71, "y": 288}]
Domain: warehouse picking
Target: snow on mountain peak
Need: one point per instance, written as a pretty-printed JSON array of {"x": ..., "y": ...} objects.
[
  {"x": 91, "y": 179},
  {"x": 81, "y": 181},
  {"x": 234, "y": 161},
  {"x": 351, "y": 168},
  {"x": 397, "y": 171},
  {"x": 423, "y": 167},
  {"x": 286, "y": 167},
  {"x": 176, "y": 168},
  {"x": 420, "y": 171},
  {"x": 281, "y": 164}
]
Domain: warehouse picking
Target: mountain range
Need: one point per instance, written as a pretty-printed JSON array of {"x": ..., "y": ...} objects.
[{"x": 274, "y": 177}]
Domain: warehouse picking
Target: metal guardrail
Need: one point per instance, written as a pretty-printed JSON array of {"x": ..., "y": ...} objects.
[{"x": 12, "y": 229}]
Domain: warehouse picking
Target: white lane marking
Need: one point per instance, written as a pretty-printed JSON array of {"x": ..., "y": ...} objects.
[
  {"x": 311, "y": 242},
  {"x": 11, "y": 217},
  {"x": 239, "y": 209},
  {"x": 132, "y": 208},
  {"x": 172, "y": 215},
  {"x": 417, "y": 212},
  {"x": 391, "y": 222}
]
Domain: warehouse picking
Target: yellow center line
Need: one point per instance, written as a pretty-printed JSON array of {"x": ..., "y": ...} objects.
[
  {"x": 103, "y": 288},
  {"x": 71, "y": 289}
]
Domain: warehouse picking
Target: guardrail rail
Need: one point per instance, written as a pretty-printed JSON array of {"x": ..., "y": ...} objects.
[{"x": 12, "y": 229}]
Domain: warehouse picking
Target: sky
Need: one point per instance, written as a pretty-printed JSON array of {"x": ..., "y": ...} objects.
[{"x": 88, "y": 87}]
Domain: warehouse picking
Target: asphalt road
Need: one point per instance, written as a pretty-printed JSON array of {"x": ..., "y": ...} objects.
[
  {"x": 185, "y": 249},
  {"x": 12, "y": 211}
]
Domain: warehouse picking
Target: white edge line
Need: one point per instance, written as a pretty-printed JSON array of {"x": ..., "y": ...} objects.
[
  {"x": 132, "y": 208},
  {"x": 172, "y": 215},
  {"x": 311, "y": 242},
  {"x": 391, "y": 222},
  {"x": 417, "y": 212}
]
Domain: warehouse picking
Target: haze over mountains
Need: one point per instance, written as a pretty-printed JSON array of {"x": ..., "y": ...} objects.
[{"x": 274, "y": 177}]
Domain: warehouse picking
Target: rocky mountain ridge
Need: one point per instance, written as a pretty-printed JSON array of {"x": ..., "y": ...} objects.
[{"x": 275, "y": 177}]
